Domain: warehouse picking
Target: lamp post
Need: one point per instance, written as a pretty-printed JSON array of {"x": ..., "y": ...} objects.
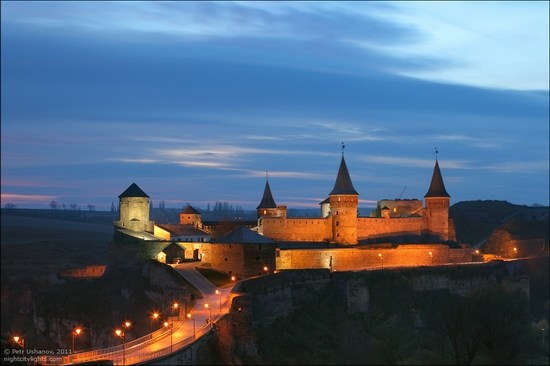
[
  {"x": 155, "y": 317},
  {"x": 76, "y": 332},
  {"x": 515, "y": 251},
  {"x": 266, "y": 270},
  {"x": 206, "y": 306},
  {"x": 431, "y": 256},
  {"x": 21, "y": 342},
  {"x": 122, "y": 334},
  {"x": 194, "y": 328},
  {"x": 175, "y": 308},
  {"x": 219, "y": 293},
  {"x": 380, "y": 256},
  {"x": 171, "y": 331},
  {"x": 233, "y": 278}
]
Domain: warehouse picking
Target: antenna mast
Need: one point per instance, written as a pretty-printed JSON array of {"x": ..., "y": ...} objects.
[{"x": 402, "y": 193}]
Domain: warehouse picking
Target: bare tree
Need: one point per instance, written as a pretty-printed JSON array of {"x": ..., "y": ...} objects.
[
  {"x": 73, "y": 206},
  {"x": 10, "y": 206},
  {"x": 54, "y": 205},
  {"x": 91, "y": 207}
]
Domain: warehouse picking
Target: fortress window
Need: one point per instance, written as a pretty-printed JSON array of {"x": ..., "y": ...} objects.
[
  {"x": 336, "y": 213},
  {"x": 225, "y": 259},
  {"x": 337, "y": 223},
  {"x": 338, "y": 199},
  {"x": 265, "y": 212}
]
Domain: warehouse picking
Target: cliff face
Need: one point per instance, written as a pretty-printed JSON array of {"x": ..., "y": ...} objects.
[
  {"x": 97, "y": 305},
  {"x": 266, "y": 301}
]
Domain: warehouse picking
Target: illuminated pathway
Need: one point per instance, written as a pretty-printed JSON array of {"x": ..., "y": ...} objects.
[{"x": 163, "y": 342}]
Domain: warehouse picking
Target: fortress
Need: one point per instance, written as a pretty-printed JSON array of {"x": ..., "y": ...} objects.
[{"x": 398, "y": 232}]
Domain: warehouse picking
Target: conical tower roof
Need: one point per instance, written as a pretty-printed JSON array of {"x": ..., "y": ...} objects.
[
  {"x": 133, "y": 191},
  {"x": 267, "y": 199},
  {"x": 190, "y": 210},
  {"x": 437, "y": 188},
  {"x": 343, "y": 183}
]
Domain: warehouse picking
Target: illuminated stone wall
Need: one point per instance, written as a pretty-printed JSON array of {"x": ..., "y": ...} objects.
[
  {"x": 134, "y": 214},
  {"x": 364, "y": 257},
  {"x": 301, "y": 229},
  {"x": 346, "y": 228},
  {"x": 243, "y": 260}
]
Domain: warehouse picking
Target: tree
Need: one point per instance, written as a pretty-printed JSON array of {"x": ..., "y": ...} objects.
[
  {"x": 73, "y": 206},
  {"x": 10, "y": 206},
  {"x": 54, "y": 205},
  {"x": 91, "y": 207},
  {"x": 64, "y": 206}
]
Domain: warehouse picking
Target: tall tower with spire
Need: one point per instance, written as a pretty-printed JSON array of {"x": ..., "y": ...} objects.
[
  {"x": 343, "y": 205},
  {"x": 267, "y": 206},
  {"x": 437, "y": 207}
]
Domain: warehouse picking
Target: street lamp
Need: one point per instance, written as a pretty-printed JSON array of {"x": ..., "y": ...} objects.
[
  {"x": 220, "y": 293},
  {"x": 21, "y": 342},
  {"x": 431, "y": 256},
  {"x": 206, "y": 306},
  {"x": 194, "y": 325},
  {"x": 515, "y": 251},
  {"x": 233, "y": 278},
  {"x": 266, "y": 270},
  {"x": 175, "y": 307},
  {"x": 122, "y": 335},
  {"x": 380, "y": 256},
  {"x": 155, "y": 317},
  {"x": 171, "y": 331},
  {"x": 76, "y": 332}
]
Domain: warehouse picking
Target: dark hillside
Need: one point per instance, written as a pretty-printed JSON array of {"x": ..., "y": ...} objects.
[{"x": 476, "y": 220}]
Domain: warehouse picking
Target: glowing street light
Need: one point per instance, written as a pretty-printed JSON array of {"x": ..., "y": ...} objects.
[
  {"x": 233, "y": 278},
  {"x": 76, "y": 332},
  {"x": 382, "y": 258},
  {"x": 206, "y": 306},
  {"x": 194, "y": 325},
  {"x": 431, "y": 256},
  {"x": 122, "y": 335},
  {"x": 21, "y": 342},
  {"x": 153, "y": 317},
  {"x": 515, "y": 251},
  {"x": 171, "y": 332},
  {"x": 266, "y": 270},
  {"x": 220, "y": 293}
]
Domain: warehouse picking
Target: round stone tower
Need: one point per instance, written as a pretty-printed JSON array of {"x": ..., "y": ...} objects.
[
  {"x": 437, "y": 208},
  {"x": 343, "y": 206}
]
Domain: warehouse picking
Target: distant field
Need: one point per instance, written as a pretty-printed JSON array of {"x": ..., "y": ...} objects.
[
  {"x": 36, "y": 247},
  {"x": 22, "y": 230}
]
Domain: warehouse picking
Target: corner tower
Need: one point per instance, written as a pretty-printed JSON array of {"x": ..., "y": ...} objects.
[
  {"x": 267, "y": 206},
  {"x": 343, "y": 205},
  {"x": 437, "y": 207},
  {"x": 190, "y": 216},
  {"x": 134, "y": 210}
]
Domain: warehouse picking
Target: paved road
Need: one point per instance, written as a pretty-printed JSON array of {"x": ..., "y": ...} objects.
[
  {"x": 188, "y": 271},
  {"x": 186, "y": 329}
]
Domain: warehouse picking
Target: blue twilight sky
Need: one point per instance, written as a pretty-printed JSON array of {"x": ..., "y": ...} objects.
[{"x": 195, "y": 101}]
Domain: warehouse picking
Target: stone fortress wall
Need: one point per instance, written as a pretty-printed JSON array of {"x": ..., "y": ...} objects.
[{"x": 372, "y": 256}]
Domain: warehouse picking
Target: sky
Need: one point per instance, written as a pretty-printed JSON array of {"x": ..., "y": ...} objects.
[{"x": 201, "y": 102}]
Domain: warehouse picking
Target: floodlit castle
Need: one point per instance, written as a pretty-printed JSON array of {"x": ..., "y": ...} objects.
[
  {"x": 340, "y": 223},
  {"x": 337, "y": 239}
]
